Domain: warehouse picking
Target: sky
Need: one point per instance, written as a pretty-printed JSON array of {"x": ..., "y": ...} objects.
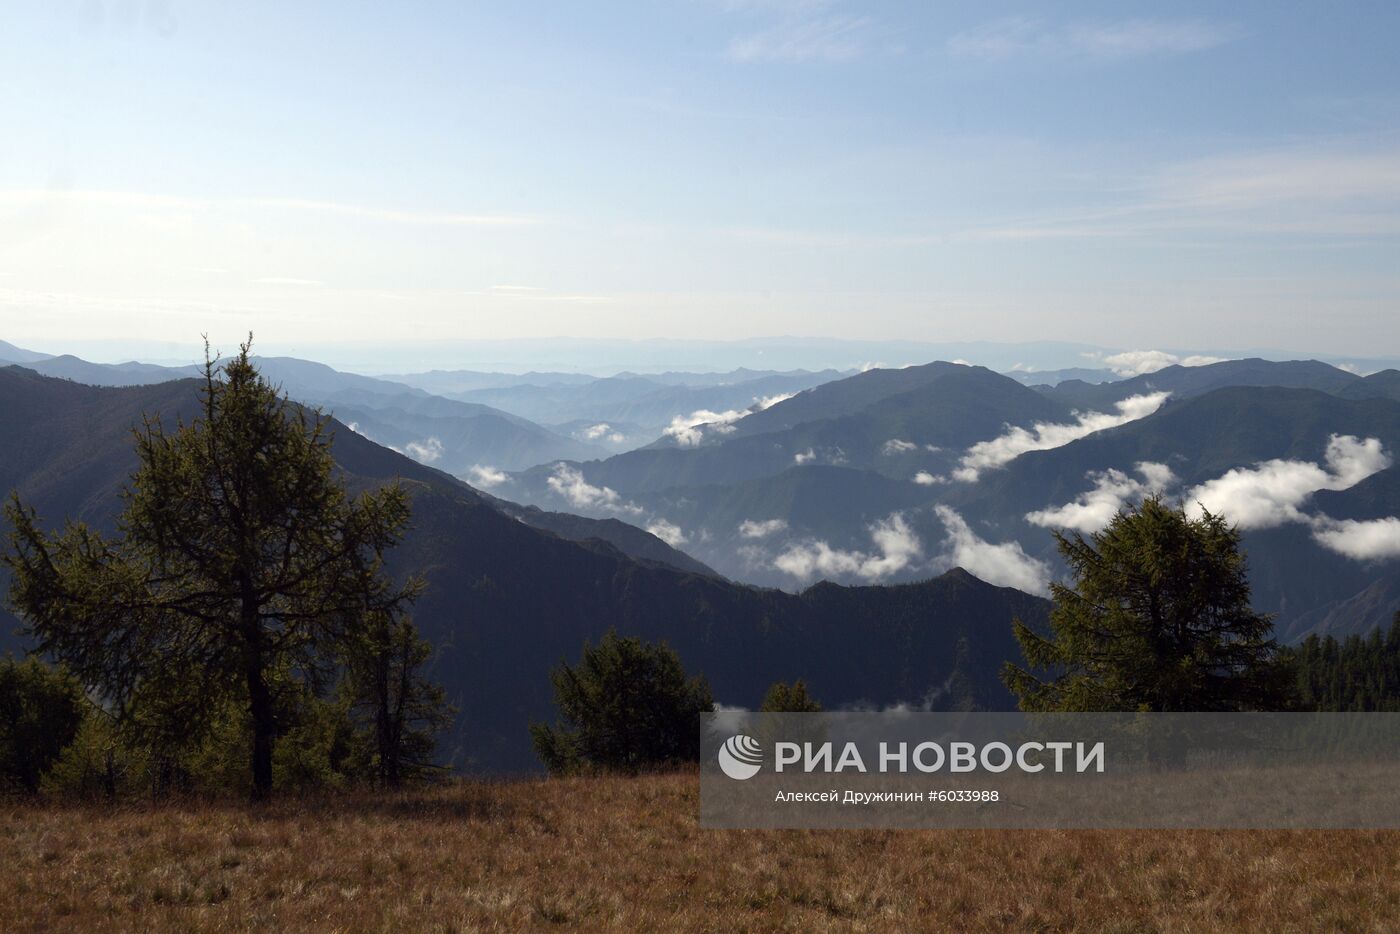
[{"x": 1127, "y": 175}]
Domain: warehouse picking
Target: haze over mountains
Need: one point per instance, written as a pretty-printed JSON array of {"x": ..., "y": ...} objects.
[{"x": 553, "y": 505}]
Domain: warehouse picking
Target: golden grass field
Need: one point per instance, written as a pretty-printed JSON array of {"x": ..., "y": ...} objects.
[{"x": 628, "y": 854}]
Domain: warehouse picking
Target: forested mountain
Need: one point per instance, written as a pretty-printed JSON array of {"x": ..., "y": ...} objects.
[{"x": 507, "y": 600}]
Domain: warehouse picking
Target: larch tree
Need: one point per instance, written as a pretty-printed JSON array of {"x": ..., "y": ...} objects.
[
  {"x": 239, "y": 556},
  {"x": 1157, "y": 618}
]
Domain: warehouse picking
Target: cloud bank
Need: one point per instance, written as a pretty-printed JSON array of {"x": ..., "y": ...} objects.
[
  {"x": 1113, "y": 491},
  {"x": 1005, "y": 565},
  {"x": 896, "y": 547},
  {"x": 1372, "y": 540},
  {"x": 988, "y": 455},
  {"x": 1140, "y": 362},
  {"x": 1273, "y": 493},
  {"x": 689, "y": 430}
]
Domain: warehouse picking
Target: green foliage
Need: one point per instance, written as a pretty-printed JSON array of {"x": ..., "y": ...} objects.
[
  {"x": 41, "y": 710},
  {"x": 627, "y": 706},
  {"x": 96, "y": 764},
  {"x": 1158, "y": 619},
  {"x": 240, "y": 559},
  {"x": 399, "y": 710},
  {"x": 789, "y": 698},
  {"x": 1355, "y": 674}
]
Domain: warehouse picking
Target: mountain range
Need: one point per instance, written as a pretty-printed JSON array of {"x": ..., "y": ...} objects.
[
  {"x": 512, "y": 590},
  {"x": 891, "y": 475},
  {"x": 731, "y": 516}
]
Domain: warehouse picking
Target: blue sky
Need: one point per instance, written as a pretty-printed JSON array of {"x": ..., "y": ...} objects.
[{"x": 1133, "y": 175}]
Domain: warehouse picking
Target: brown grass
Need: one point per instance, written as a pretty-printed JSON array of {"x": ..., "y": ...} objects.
[{"x": 628, "y": 854}]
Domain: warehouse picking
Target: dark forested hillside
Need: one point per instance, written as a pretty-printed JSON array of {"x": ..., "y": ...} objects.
[
  {"x": 507, "y": 600},
  {"x": 1358, "y": 673}
]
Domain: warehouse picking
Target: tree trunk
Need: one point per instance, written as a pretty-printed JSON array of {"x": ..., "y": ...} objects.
[
  {"x": 259, "y": 699},
  {"x": 264, "y": 731}
]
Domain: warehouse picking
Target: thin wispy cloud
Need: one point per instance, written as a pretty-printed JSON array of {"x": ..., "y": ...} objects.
[
  {"x": 761, "y": 528},
  {"x": 1021, "y": 36},
  {"x": 830, "y": 40},
  {"x": 569, "y": 483},
  {"x": 284, "y": 280},
  {"x": 1324, "y": 192},
  {"x": 30, "y": 198}
]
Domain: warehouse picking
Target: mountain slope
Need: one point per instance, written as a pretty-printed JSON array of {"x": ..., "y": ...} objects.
[
  {"x": 450, "y": 434},
  {"x": 507, "y": 600},
  {"x": 1186, "y": 381},
  {"x": 9, "y": 353}
]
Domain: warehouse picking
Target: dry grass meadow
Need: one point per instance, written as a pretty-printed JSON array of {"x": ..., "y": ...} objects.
[{"x": 628, "y": 854}]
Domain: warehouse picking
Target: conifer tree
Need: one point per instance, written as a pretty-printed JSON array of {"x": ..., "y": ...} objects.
[
  {"x": 1158, "y": 618},
  {"x": 403, "y": 711},
  {"x": 628, "y": 705},
  {"x": 239, "y": 556}
]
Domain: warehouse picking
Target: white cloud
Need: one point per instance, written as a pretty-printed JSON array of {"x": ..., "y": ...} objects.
[
  {"x": 486, "y": 476},
  {"x": 804, "y": 457},
  {"x": 896, "y": 547},
  {"x": 689, "y": 430},
  {"x": 569, "y": 483},
  {"x": 924, "y": 478},
  {"x": 998, "y": 452},
  {"x": 1138, "y": 362},
  {"x": 1372, "y": 540},
  {"x": 668, "y": 532},
  {"x": 896, "y": 446},
  {"x": 831, "y": 40},
  {"x": 1272, "y": 493},
  {"x": 1005, "y": 565},
  {"x": 426, "y": 451},
  {"x": 602, "y": 430},
  {"x": 1113, "y": 490},
  {"x": 761, "y": 528},
  {"x": 1019, "y": 36},
  {"x": 767, "y": 402}
]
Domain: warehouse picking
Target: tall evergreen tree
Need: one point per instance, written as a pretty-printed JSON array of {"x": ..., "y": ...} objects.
[
  {"x": 239, "y": 555},
  {"x": 1158, "y": 619}
]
